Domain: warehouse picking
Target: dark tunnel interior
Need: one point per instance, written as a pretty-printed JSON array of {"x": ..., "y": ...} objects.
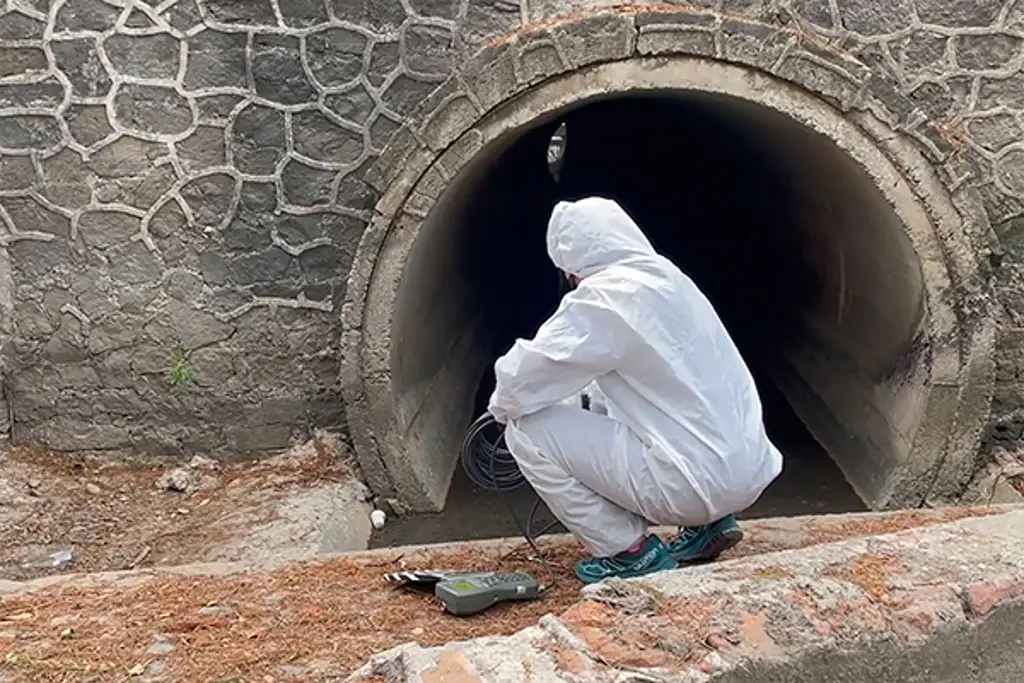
[{"x": 754, "y": 209}]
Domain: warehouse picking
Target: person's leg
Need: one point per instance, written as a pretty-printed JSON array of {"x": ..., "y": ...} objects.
[{"x": 579, "y": 463}]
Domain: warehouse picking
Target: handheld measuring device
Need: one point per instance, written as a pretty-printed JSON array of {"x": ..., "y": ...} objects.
[
  {"x": 471, "y": 593},
  {"x": 467, "y": 593}
]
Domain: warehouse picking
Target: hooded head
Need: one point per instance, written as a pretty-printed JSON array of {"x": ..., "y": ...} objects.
[{"x": 589, "y": 235}]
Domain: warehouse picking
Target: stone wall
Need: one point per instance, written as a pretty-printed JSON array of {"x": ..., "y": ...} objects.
[
  {"x": 183, "y": 185},
  {"x": 180, "y": 185}
]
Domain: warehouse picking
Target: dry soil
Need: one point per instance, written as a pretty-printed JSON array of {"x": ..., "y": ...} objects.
[{"x": 63, "y": 513}]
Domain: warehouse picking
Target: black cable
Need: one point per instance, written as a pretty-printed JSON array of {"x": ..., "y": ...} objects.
[
  {"x": 486, "y": 459},
  {"x": 489, "y": 464}
]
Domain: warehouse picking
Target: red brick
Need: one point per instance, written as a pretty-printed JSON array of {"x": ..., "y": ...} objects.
[
  {"x": 863, "y": 614},
  {"x": 620, "y": 651},
  {"x": 571, "y": 661},
  {"x": 590, "y": 613},
  {"x": 450, "y": 667},
  {"x": 756, "y": 637},
  {"x": 803, "y": 598},
  {"x": 984, "y": 596},
  {"x": 918, "y": 611}
]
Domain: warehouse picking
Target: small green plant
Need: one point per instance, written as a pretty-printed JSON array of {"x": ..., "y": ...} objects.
[{"x": 180, "y": 370}]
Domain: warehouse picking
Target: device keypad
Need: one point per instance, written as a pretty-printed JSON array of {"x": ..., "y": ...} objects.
[{"x": 496, "y": 579}]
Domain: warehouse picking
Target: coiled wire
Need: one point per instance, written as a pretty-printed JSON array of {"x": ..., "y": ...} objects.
[
  {"x": 486, "y": 459},
  {"x": 489, "y": 464}
]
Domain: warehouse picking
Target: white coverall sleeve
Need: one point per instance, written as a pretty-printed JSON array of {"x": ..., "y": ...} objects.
[{"x": 583, "y": 340}]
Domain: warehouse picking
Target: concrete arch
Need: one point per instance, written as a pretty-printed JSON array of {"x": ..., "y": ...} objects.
[{"x": 909, "y": 432}]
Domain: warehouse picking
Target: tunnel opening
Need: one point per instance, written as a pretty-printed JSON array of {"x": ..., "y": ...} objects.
[{"x": 802, "y": 256}]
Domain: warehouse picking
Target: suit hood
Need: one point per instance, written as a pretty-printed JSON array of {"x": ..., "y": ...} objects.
[{"x": 586, "y": 236}]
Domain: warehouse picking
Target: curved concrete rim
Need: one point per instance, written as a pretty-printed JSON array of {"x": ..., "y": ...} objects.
[{"x": 960, "y": 382}]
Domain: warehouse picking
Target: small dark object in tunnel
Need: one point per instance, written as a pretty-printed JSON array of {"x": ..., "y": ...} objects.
[{"x": 556, "y": 151}]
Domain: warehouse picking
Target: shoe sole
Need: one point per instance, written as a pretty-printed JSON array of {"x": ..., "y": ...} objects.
[
  {"x": 720, "y": 543},
  {"x": 668, "y": 564}
]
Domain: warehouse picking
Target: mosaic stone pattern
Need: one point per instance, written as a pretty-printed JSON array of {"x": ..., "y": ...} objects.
[{"x": 184, "y": 183}]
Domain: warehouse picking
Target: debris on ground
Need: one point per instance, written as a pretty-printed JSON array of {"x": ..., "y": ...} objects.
[
  {"x": 1000, "y": 480},
  {"x": 1010, "y": 465},
  {"x": 63, "y": 512},
  {"x": 176, "y": 480},
  {"x": 62, "y": 559},
  {"x": 313, "y": 621}
]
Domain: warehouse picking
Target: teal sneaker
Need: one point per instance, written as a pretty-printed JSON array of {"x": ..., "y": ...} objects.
[
  {"x": 707, "y": 542},
  {"x": 652, "y": 557}
]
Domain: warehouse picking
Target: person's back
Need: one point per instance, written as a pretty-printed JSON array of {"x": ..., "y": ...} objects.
[{"x": 707, "y": 414}]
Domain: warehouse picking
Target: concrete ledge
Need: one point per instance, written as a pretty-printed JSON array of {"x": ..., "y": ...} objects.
[
  {"x": 934, "y": 604},
  {"x": 762, "y": 536}
]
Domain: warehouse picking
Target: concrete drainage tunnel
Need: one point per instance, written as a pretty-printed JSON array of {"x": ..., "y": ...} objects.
[{"x": 803, "y": 256}]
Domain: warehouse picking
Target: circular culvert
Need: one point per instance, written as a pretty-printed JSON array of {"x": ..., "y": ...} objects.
[{"x": 822, "y": 262}]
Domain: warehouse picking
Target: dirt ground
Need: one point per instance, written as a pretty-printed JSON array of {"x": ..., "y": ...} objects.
[
  {"x": 61, "y": 513},
  {"x": 312, "y": 621},
  {"x": 284, "y": 620}
]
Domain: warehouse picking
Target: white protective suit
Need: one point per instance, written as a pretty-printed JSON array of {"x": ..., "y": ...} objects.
[{"x": 677, "y": 437}]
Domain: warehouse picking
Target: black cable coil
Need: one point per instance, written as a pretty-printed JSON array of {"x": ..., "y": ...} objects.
[
  {"x": 489, "y": 464},
  {"x": 487, "y": 460}
]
